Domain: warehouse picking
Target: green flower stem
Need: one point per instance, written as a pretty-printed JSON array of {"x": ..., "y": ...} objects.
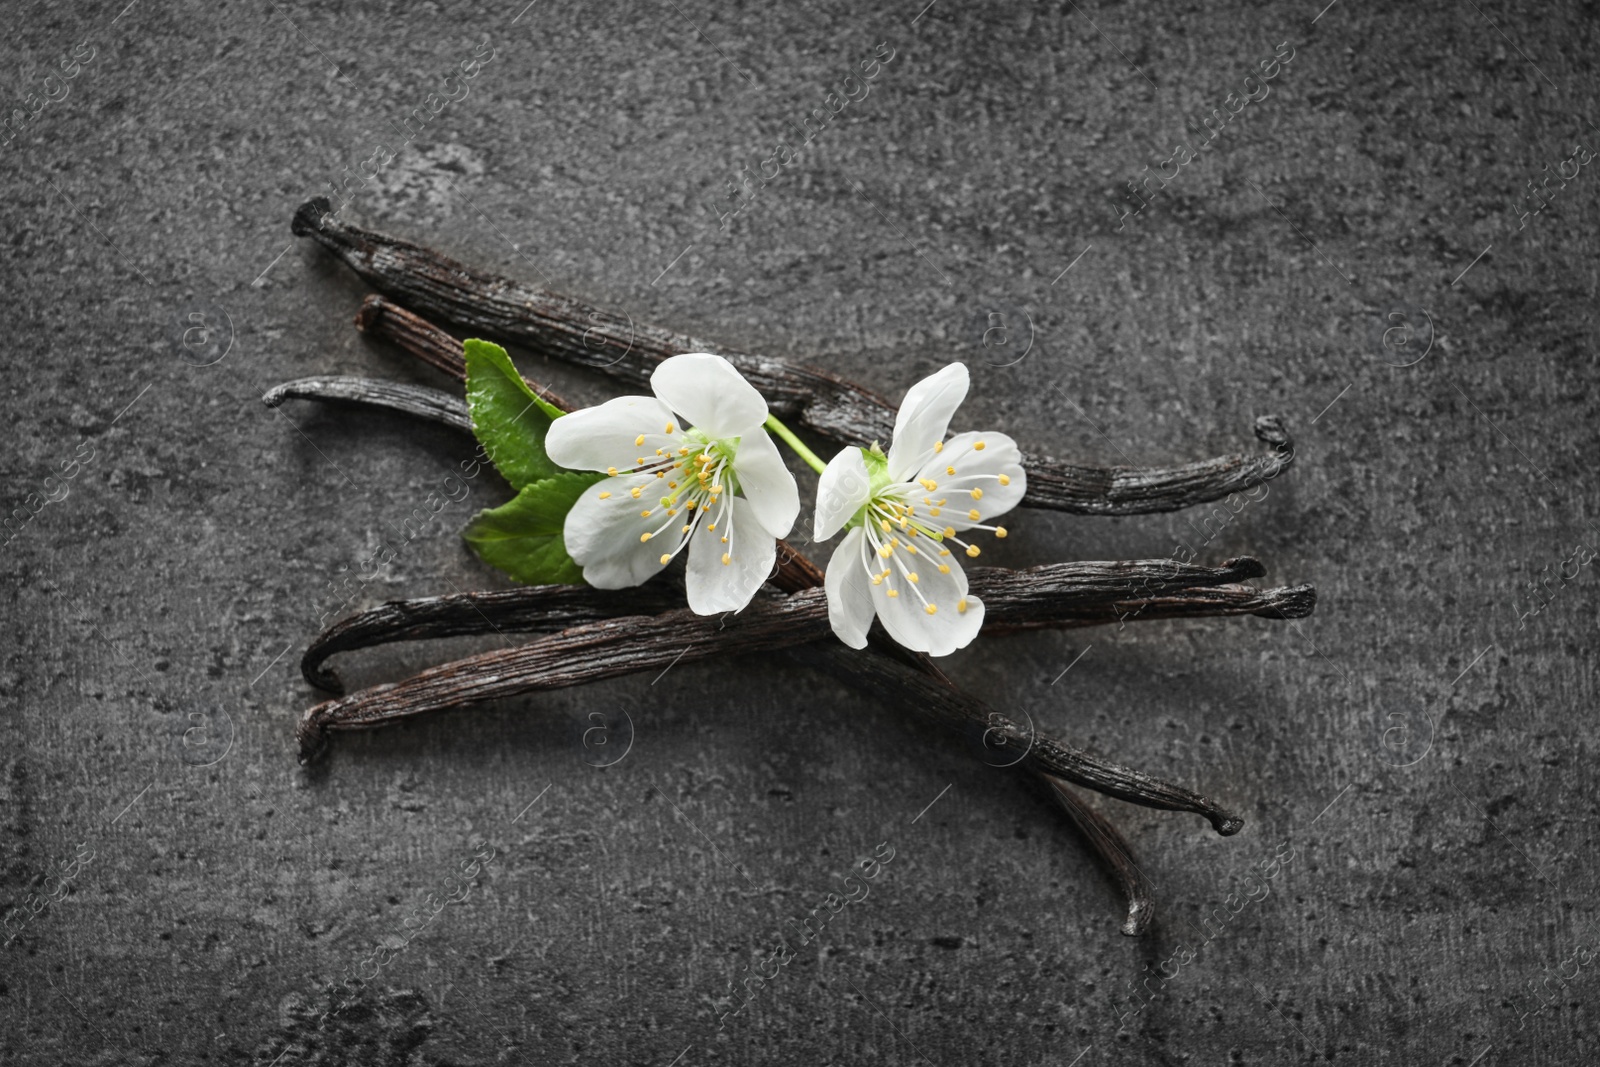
[{"x": 787, "y": 436}]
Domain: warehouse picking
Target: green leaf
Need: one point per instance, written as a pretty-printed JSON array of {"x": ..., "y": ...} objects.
[
  {"x": 509, "y": 419},
  {"x": 523, "y": 537}
]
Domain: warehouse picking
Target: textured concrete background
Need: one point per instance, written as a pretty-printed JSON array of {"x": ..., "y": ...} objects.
[{"x": 176, "y": 889}]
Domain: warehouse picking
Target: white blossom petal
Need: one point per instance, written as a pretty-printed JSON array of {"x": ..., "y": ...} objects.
[
  {"x": 710, "y": 393},
  {"x": 714, "y": 586},
  {"x": 842, "y": 489},
  {"x": 924, "y": 417},
  {"x": 603, "y": 533},
  {"x": 598, "y": 438},
  {"x": 957, "y": 617},
  {"x": 766, "y": 483},
  {"x": 849, "y": 589},
  {"x": 978, "y": 469}
]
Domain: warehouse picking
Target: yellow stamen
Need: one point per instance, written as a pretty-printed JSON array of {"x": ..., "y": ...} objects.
[
  {"x": 974, "y": 515},
  {"x": 1005, "y": 479},
  {"x": 645, "y": 514},
  {"x": 977, "y": 494},
  {"x": 726, "y": 559},
  {"x": 644, "y": 537},
  {"x": 884, "y": 551},
  {"x": 938, "y": 446},
  {"x": 977, "y": 446},
  {"x": 949, "y": 531},
  {"x": 605, "y": 496},
  {"x": 961, "y": 605},
  {"x": 911, "y": 576},
  {"x": 1000, "y": 531},
  {"x": 950, "y": 471},
  {"x": 928, "y": 483},
  {"x": 635, "y": 491},
  {"x": 933, "y": 609},
  {"x": 944, "y": 568},
  {"x": 611, "y": 471},
  {"x": 668, "y": 429},
  {"x": 894, "y": 592},
  {"x": 972, "y": 551},
  {"x": 666, "y": 557},
  {"x": 637, "y": 441}
]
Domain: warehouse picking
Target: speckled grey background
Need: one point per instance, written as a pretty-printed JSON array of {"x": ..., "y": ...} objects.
[{"x": 176, "y": 889}]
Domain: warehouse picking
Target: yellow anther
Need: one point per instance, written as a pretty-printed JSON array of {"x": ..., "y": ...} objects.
[
  {"x": 883, "y": 524},
  {"x": 605, "y": 496},
  {"x": 877, "y": 579},
  {"x": 934, "y": 513},
  {"x": 950, "y": 471},
  {"x": 911, "y": 549},
  {"x": 944, "y": 552},
  {"x": 668, "y": 429},
  {"x": 637, "y": 441},
  {"x": 944, "y": 568},
  {"x": 938, "y": 446},
  {"x": 894, "y": 592},
  {"x": 1000, "y": 531},
  {"x": 928, "y": 483},
  {"x": 884, "y": 551},
  {"x": 932, "y": 609},
  {"x": 972, "y": 552},
  {"x": 666, "y": 557},
  {"x": 645, "y": 514},
  {"x": 726, "y": 559},
  {"x": 961, "y": 605},
  {"x": 644, "y": 537},
  {"x": 724, "y": 540},
  {"x": 911, "y": 576},
  {"x": 635, "y": 491},
  {"x": 672, "y": 485},
  {"x": 974, "y": 515},
  {"x": 661, "y": 474},
  {"x": 1005, "y": 479},
  {"x": 686, "y": 528},
  {"x": 611, "y": 471},
  {"x": 949, "y": 531},
  {"x": 977, "y": 446},
  {"x": 977, "y": 494}
]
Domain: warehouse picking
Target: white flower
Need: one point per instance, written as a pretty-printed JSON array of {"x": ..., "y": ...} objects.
[
  {"x": 719, "y": 487},
  {"x": 904, "y": 512}
]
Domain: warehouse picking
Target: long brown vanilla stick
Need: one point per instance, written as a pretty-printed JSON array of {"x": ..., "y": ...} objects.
[
  {"x": 1056, "y": 596},
  {"x": 493, "y": 306},
  {"x": 641, "y": 643}
]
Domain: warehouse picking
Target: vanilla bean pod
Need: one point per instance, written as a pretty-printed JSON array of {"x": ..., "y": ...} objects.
[
  {"x": 931, "y": 694},
  {"x": 637, "y": 643},
  {"x": 433, "y": 404},
  {"x": 1055, "y": 596},
  {"x": 1108, "y": 843},
  {"x": 489, "y": 305},
  {"x": 421, "y": 339}
]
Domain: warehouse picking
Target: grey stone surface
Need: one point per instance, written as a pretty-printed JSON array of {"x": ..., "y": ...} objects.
[{"x": 200, "y": 897}]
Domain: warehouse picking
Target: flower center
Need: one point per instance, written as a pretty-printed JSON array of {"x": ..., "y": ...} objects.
[{"x": 698, "y": 487}]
